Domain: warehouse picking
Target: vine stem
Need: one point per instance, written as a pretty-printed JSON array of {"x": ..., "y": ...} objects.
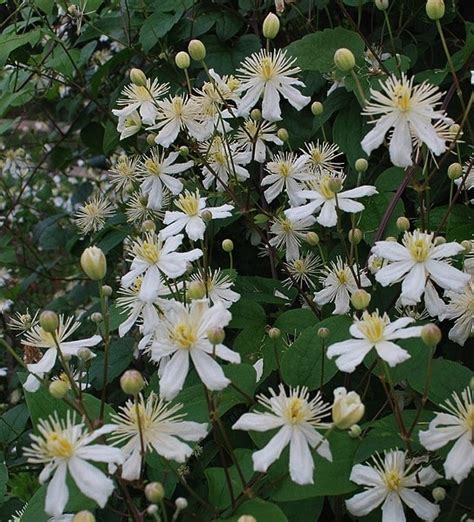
[{"x": 106, "y": 338}]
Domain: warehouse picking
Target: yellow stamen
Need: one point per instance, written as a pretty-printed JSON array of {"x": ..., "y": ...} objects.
[{"x": 58, "y": 446}]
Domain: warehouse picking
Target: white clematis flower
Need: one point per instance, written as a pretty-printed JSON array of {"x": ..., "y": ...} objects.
[
  {"x": 63, "y": 447},
  {"x": 391, "y": 482},
  {"x": 288, "y": 234},
  {"x": 253, "y": 136},
  {"x": 460, "y": 307},
  {"x": 217, "y": 287},
  {"x": 373, "y": 331},
  {"x": 298, "y": 419},
  {"x": 456, "y": 424}
]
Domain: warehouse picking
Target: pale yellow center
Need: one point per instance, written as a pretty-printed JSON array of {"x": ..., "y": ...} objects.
[
  {"x": 268, "y": 69},
  {"x": 46, "y": 337},
  {"x": 189, "y": 204},
  {"x": 287, "y": 226},
  {"x": 342, "y": 276},
  {"x": 316, "y": 156},
  {"x": 58, "y": 446},
  {"x": 324, "y": 187},
  {"x": 184, "y": 335},
  {"x": 403, "y": 98},
  {"x": 372, "y": 327},
  {"x": 393, "y": 479},
  {"x": 138, "y": 416},
  {"x": 141, "y": 93},
  {"x": 299, "y": 266},
  {"x": 296, "y": 410},
  {"x": 470, "y": 418},
  {"x": 178, "y": 106},
  {"x": 153, "y": 167},
  {"x": 149, "y": 252},
  {"x": 419, "y": 249},
  {"x": 285, "y": 169}
]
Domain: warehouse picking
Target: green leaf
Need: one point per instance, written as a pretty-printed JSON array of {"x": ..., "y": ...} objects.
[
  {"x": 3, "y": 481},
  {"x": 304, "y": 510},
  {"x": 45, "y": 5},
  {"x": 155, "y": 27},
  {"x": 304, "y": 363},
  {"x": 11, "y": 42},
  {"x": 390, "y": 179},
  {"x": 247, "y": 314},
  {"x": 13, "y": 423},
  {"x": 347, "y": 132},
  {"x": 459, "y": 224},
  {"x": 375, "y": 208},
  {"x": 120, "y": 357},
  {"x": 298, "y": 320},
  {"x": 326, "y": 43}
]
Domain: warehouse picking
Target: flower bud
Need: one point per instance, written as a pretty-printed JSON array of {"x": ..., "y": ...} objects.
[
  {"x": 132, "y": 382},
  {"x": 137, "y": 76},
  {"x": 107, "y": 290},
  {"x": 271, "y": 26},
  {"x": 283, "y": 134},
  {"x": 58, "y": 389},
  {"x": 196, "y": 290},
  {"x": 148, "y": 226},
  {"x": 324, "y": 333},
  {"x": 152, "y": 509},
  {"x": 391, "y": 238},
  {"x": 93, "y": 263},
  {"x": 439, "y": 494},
  {"x": 227, "y": 245},
  {"x": 184, "y": 151},
  {"x": 344, "y": 59},
  {"x": 317, "y": 108},
  {"x": 154, "y": 492},
  {"x": 335, "y": 185},
  {"x": 85, "y": 354},
  {"x": 381, "y": 5},
  {"x": 84, "y": 516},
  {"x": 439, "y": 240},
  {"x": 355, "y": 236},
  {"x": 454, "y": 171},
  {"x": 467, "y": 245},
  {"x": 455, "y": 130},
  {"x": 312, "y": 238},
  {"x": 435, "y": 9},
  {"x": 181, "y": 503},
  {"x": 182, "y": 60},
  {"x": 431, "y": 335},
  {"x": 360, "y": 299},
  {"x": 216, "y": 335},
  {"x": 150, "y": 138},
  {"x": 355, "y": 431},
  {"x": 197, "y": 50},
  {"x": 246, "y": 518},
  {"x": 97, "y": 317},
  {"x": 274, "y": 333},
  {"x": 361, "y": 165},
  {"x": 403, "y": 224},
  {"x": 471, "y": 384},
  {"x": 260, "y": 219},
  {"x": 347, "y": 408},
  {"x": 49, "y": 321},
  {"x": 256, "y": 114},
  {"x": 206, "y": 216}
]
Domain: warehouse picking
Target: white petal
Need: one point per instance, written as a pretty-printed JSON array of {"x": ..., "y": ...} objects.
[
  {"x": 446, "y": 276},
  {"x": 263, "y": 458},
  {"x": 210, "y": 373},
  {"x": 301, "y": 460},
  {"x": 375, "y": 137},
  {"x": 351, "y": 353},
  {"x": 91, "y": 481},
  {"x": 414, "y": 284},
  {"x": 258, "y": 422},
  {"x": 391, "y": 353},
  {"x": 57, "y": 493},
  {"x": 393, "y": 272},
  {"x": 400, "y": 144},
  {"x": 460, "y": 459},
  {"x": 365, "y": 476},
  {"x": 423, "y": 508},
  {"x": 392, "y": 509},
  {"x": 174, "y": 375},
  {"x": 365, "y": 502}
]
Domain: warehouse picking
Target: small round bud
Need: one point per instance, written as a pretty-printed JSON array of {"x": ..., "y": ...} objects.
[
  {"x": 391, "y": 238},
  {"x": 317, "y": 108},
  {"x": 182, "y": 60},
  {"x": 312, "y": 238},
  {"x": 274, "y": 333},
  {"x": 439, "y": 240},
  {"x": 137, "y": 76},
  {"x": 347, "y": 408},
  {"x": 196, "y": 290},
  {"x": 435, "y": 9},
  {"x": 181, "y": 503},
  {"x": 154, "y": 492},
  {"x": 360, "y": 299},
  {"x": 439, "y": 494},
  {"x": 152, "y": 509},
  {"x": 58, "y": 389},
  {"x": 184, "y": 151},
  {"x": 206, "y": 216},
  {"x": 361, "y": 165},
  {"x": 256, "y": 114},
  {"x": 283, "y": 134},
  {"x": 355, "y": 431},
  {"x": 355, "y": 236},
  {"x": 132, "y": 382},
  {"x": 107, "y": 290},
  {"x": 49, "y": 321},
  {"x": 216, "y": 335},
  {"x": 431, "y": 335},
  {"x": 246, "y": 518},
  {"x": 97, "y": 317},
  {"x": 227, "y": 245},
  {"x": 197, "y": 50},
  {"x": 344, "y": 59},
  {"x": 455, "y": 130},
  {"x": 403, "y": 224},
  {"x": 467, "y": 245},
  {"x": 150, "y": 138},
  {"x": 454, "y": 171},
  {"x": 324, "y": 333},
  {"x": 85, "y": 354},
  {"x": 93, "y": 263},
  {"x": 335, "y": 185},
  {"x": 260, "y": 219},
  {"x": 271, "y": 26},
  {"x": 148, "y": 226},
  {"x": 84, "y": 516},
  {"x": 381, "y": 5}
]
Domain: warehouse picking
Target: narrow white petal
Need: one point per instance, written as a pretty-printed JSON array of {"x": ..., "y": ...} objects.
[
  {"x": 263, "y": 458},
  {"x": 301, "y": 460}
]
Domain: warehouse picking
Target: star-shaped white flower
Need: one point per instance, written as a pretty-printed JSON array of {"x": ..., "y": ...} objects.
[{"x": 288, "y": 234}]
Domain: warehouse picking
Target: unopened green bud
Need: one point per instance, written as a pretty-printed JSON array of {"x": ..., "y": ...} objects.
[
  {"x": 184, "y": 151},
  {"x": 206, "y": 216},
  {"x": 360, "y": 299},
  {"x": 324, "y": 333},
  {"x": 152, "y": 509},
  {"x": 182, "y": 60},
  {"x": 85, "y": 354},
  {"x": 59, "y": 389},
  {"x": 274, "y": 333},
  {"x": 97, "y": 317},
  {"x": 246, "y": 518},
  {"x": 355, "y": 431},
  {"x": 439, "y": 494},
  {"x": 439, "y": 240},
  {"x": 403, "y": 224},
  {"x": 196, "y": 290},
  {"x": 107, "y": 290},
  {"x": 260, "y": 219},
  {"x": 271, "y": 26},
  {"x": 154, "y": 492},
  {"x": 256, "y": 114},
  {"x": 150, "y": 138},
  {"x": 471, "y": 384},
  {"x": 454, "y": 171},
  {"x": 355, "y": 236},
  {"x": 93, "y": 263},
  {"x": 435, "y": 9},
  {"x": 216, "y": 335},
  {"x": 335, "y": 185},
  {"x": 181, "y": 503},
  {"x": 347, "y": 408},
  {"x": 431, "y": 335},
  {"x": 49, "y": 321},
  {"x": 317, "y": 108},
  {"x": 344, "y": 59},
  {"x": 381, "y": 5},
  {"x": 455, "y": 129},
  {"x": 197, "y": 50},
  {"x": 361, "y": 165},
  {"x": 148, "y": 226},
  {"x": 391, "y": 238},
  {"x": 132, "y": 382},
  {"x": 227, "y": 245},
  {"x": 137, "y": 76},
  {"x": 84, "y": 516},
  {"x": 312, "y": 238},
  {"x": 283, "y": 134},
  {"x": 467, "y": 245}
]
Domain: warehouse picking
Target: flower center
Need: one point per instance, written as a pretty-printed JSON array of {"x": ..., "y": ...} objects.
[
  {"x": 130, "y": 122},
  {"x": 403, "y": 98},
  {"x": 46, "y": 337},
  {"x": 58, "y": 446},
  {"x": 286, "y": 225},
  {"x": 324, "y": 187},
  {"x": 178, "y": 106},
  {"x": 141, "y": 93},
  {"x": 285, "y": 169},
  {"x": 299, "y": 266},
  {"x": 149, "y": 252},
  {"x": 268, "y": 69},
  {"x": 189, "y": 204},
  {"x": 316, "y": 156},
  {"x": 296, "y": 410},
  {"x": 419, "y": 249},
  {"x": 153, "y": 167},
  {"x": 470, "y": 418},
  {"x": 393, "y": 480},
  {"x": 184, "y": 335},
  {"x": 138, "y": 414},
  {"x": 372, "y": 327},
  {"x": 342, "y": 276}
]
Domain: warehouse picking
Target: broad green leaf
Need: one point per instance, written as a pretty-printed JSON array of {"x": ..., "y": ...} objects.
[
  {"x": 3, "y": 481},
  {"x": 389, "y": 180},
  {"x": 155, "y": 27},
  {"x": 297, "y": 320},
  {"x": 120, "y": 357},
  {"x": 347, "y": 132},
  {"x": 371, "y": 217},
  {"x": 13, "y": 423},
  {"x": 9, "y": 42},
  {"x": 247, "y": 314}
]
